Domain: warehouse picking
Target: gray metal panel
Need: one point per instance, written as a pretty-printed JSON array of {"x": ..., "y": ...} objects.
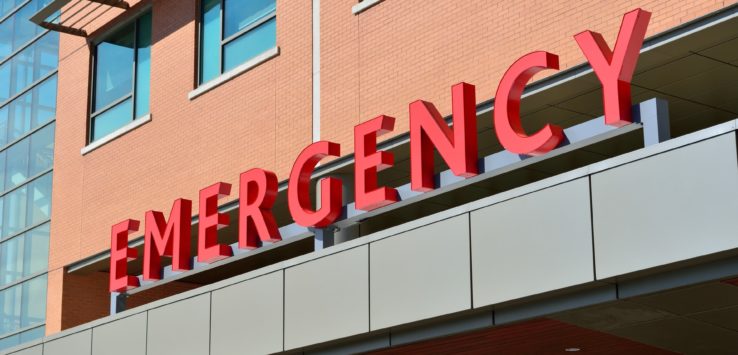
[
  {"x": 126, "y": 336},
  {"x": 36, "y": 350},
  {"x": 532, "y": 244},
  {"x": 327, "y": 298},
  {"x": 77, "y": 344},
  {"x": 180, "y": 328},
  {"x": 420, "y": 274},
  {"x": 670, "y": 207},
  {"x": 247, "y": 317}
]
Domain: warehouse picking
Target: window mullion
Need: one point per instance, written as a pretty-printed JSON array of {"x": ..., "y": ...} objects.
[
  {"x": 222, "y": 30},
  {"x": 93, "y": 98},
  {"x": 135, "y": 61},
  {"x": 254, "y": 24},
  {"x": 112, "y": 104}
]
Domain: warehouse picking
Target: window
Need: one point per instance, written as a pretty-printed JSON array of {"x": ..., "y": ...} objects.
[
  {"x": 23, "y": 306},
  {"x": 234, "y": 31},
  {"x": 33, "y": 109},
  {"x": 27, "y": 158},
  {"x": 6, "y": 6},
  {"x": 18, "y": 30},
  {"x": 24, "y": 255},
  {"x": 26, "y": 206},
  {"x": 122, "y": 72},
  {"x": 31, "y": 64}
]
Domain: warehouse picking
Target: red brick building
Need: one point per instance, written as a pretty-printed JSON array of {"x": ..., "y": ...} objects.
[{"x": 335, "y": 64}]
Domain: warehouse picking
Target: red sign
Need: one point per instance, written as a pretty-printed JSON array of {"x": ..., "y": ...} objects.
[{"x": 457, "y": 145}]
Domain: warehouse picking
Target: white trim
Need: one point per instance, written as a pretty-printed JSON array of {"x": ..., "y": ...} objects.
[
  {"x": 115, "y": 134},
  {"x": 363, "y": 5},
  {"x": 227, "y": 76}
]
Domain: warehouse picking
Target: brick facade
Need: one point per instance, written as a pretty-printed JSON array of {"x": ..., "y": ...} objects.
[{"x": 372, "y": 63}]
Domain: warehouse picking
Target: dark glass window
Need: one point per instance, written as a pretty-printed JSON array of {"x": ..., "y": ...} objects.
[
  {"x": 122, "y": 78},
  {"x": 234, "y": 31}
]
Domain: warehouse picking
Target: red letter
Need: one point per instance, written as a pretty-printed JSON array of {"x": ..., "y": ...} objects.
[
  {"x": 457, "y": 146},
  {"x": 257, "y": 192},
  {"x": 120, "y": 255},
  {"x": 208, "y": 248},
  {"x": 368, "y": 162},
  {"x": 298, "y": 191},
  {"x": 167, "y": 239},
  {"x": 507, "y": 107},
  {"x": 615, "y": 69}
]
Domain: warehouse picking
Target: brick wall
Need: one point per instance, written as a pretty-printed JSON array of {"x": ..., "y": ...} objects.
[
  {"x": 372, "y": 63},
  {"x": 401, "y": 51}
]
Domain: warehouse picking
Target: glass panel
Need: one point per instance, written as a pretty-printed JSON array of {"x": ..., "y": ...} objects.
[
  {"x": 210, "y": 41},
  {"x": 42, "y": 150},
  {"x": 17, "y": 30},
  {"x": 10, "y": 341},
  {"x": 6, "y": 37},
  {"x": 7, "y": 5},
  {"x": 2, "y": 171},
  {"x": 45, "y": 97},
  {"x": 10, "y": 309},
  {"x": 29, "y": 65},
  {"x": 143, "y": 65},
  {"x": 17, "y": 166},
  {"x": 4, "y": 125},
  {"x": 28, "y": 111},
  {"x": 241, "y": 13},
  {"x": 114, "y": 68},
  {"x": 20, "y": 116},
  {"x": 5, "y": 82},
  {"x": 36, "y": 250},
  {"x": 11, "y": 260},
  {"x": 39, "y": 204},
  {"x": 250, "y": 44},
  {"x": 14, "y": 214},
  {"x": 32, "y": 334},
  {"x": 34, "y": 302},
  {"x": 112, "y": 119}
]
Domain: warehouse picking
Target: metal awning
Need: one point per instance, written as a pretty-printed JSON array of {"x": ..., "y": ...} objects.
[{"x": 72, "y": 16}]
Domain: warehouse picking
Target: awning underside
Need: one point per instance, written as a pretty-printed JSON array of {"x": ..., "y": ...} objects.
[{"x": 74, "y": 16}]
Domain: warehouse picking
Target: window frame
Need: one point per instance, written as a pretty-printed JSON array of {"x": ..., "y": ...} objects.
[
  {"x": 223, "y": 41},
  {"x": 134, "y": 19}
]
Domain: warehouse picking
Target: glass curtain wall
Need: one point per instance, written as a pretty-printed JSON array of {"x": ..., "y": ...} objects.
[{"x": 28, "y": 84}]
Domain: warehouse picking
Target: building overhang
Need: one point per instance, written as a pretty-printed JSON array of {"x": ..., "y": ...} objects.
[{"x": 73, "y": 16}]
